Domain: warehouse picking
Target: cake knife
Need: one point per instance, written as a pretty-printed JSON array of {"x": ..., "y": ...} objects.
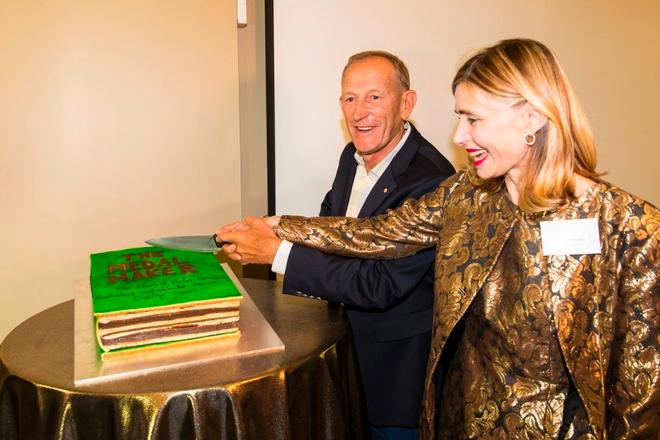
[{"x": 195, "y": 243}]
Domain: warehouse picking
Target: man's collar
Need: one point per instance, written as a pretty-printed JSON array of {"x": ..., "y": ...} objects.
[{"x": 383, "y": 164}]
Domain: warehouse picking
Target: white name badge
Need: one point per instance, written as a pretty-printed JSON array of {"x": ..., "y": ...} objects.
[{"x": 570, "y": 237}]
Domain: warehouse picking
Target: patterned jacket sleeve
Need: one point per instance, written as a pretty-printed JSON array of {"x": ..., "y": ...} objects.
[
  {"x": 397, "y": 233},
  {"x": 634, "y": 387}
]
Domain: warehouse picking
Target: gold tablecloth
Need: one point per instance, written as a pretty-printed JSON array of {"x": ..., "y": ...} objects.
[{"x": 309, "y": 391}]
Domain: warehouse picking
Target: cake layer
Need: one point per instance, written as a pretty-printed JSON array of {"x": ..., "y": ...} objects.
[
  {"x": 155, "y": 335},
  {"x": 116, "y": 327},
  {"x": 166, "y": 315},
  {"x": 180, "y": 328}
]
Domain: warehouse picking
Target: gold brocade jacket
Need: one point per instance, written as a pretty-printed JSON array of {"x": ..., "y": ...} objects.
[{"x": 607, "y": 307}]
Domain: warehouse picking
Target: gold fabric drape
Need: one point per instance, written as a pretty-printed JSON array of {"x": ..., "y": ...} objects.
[{"x": 309, "y": 391}]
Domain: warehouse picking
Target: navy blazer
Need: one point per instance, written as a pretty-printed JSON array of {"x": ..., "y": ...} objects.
[{"x": 389, "y": 304}]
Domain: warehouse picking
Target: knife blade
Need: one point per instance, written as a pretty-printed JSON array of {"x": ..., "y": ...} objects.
[{"x": 195, "y": 243}]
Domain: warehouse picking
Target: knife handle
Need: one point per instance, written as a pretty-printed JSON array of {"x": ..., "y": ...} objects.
[{"x": 219, "y": 243}]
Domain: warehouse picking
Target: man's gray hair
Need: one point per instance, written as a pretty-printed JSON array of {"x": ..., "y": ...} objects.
[{"x": 399, "y": 66}]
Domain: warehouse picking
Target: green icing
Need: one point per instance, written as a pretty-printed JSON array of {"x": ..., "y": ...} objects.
[{"x": 152, "y": 276}]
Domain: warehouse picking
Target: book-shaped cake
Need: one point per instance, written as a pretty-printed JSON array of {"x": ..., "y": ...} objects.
[{"x": 152, "y": 295}]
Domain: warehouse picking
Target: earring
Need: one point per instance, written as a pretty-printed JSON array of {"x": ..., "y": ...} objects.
[{"x": 529, "y": 138}]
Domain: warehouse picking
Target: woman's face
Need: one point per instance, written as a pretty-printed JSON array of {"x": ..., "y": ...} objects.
[{"x": 492, "y": 130}]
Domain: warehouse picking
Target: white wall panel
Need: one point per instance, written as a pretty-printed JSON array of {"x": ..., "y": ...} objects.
[{"x": 610, "y": 49}]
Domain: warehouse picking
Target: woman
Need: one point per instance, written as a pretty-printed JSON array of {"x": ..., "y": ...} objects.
[{"x": 560, "y": 335}]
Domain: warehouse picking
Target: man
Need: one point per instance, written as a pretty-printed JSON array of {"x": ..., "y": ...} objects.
[{"x": 388, "y": 303}]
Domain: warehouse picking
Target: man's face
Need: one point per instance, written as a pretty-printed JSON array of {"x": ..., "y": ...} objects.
[{"x": 375, "y": 106}]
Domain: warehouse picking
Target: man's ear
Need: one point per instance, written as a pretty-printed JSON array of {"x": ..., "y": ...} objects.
[
  {"x": 408, "y": 101},
  {"x": 535, "y": 120}
]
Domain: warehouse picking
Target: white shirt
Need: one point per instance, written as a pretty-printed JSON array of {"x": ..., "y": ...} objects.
[{"x": 363, "y": 183}]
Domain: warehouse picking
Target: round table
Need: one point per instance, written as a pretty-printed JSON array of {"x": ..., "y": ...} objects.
[{"x": 311, "y": 390}]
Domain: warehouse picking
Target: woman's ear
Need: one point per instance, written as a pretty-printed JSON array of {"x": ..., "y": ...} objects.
[{"x": 535, "y": 119}]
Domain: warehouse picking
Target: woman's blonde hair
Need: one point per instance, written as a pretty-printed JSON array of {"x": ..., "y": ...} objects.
[{"x": 526, "y": 70}]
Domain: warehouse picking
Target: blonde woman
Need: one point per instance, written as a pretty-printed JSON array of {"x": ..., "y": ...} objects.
[{"x": 551, "y": 272}]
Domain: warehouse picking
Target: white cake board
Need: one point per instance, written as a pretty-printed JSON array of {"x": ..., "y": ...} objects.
[{"x": 257, "y": 337}]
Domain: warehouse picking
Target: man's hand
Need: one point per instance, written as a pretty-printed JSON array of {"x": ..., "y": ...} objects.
[
  {"x": 252, "y": 240},
  {"x": 272, "y": 221}
]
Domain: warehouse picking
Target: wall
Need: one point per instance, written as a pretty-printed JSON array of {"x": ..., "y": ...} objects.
[
  {"x": 252, "y": 90},
  {"x": 119, "y": 123},
  {"x": 610, "y": 50}
]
